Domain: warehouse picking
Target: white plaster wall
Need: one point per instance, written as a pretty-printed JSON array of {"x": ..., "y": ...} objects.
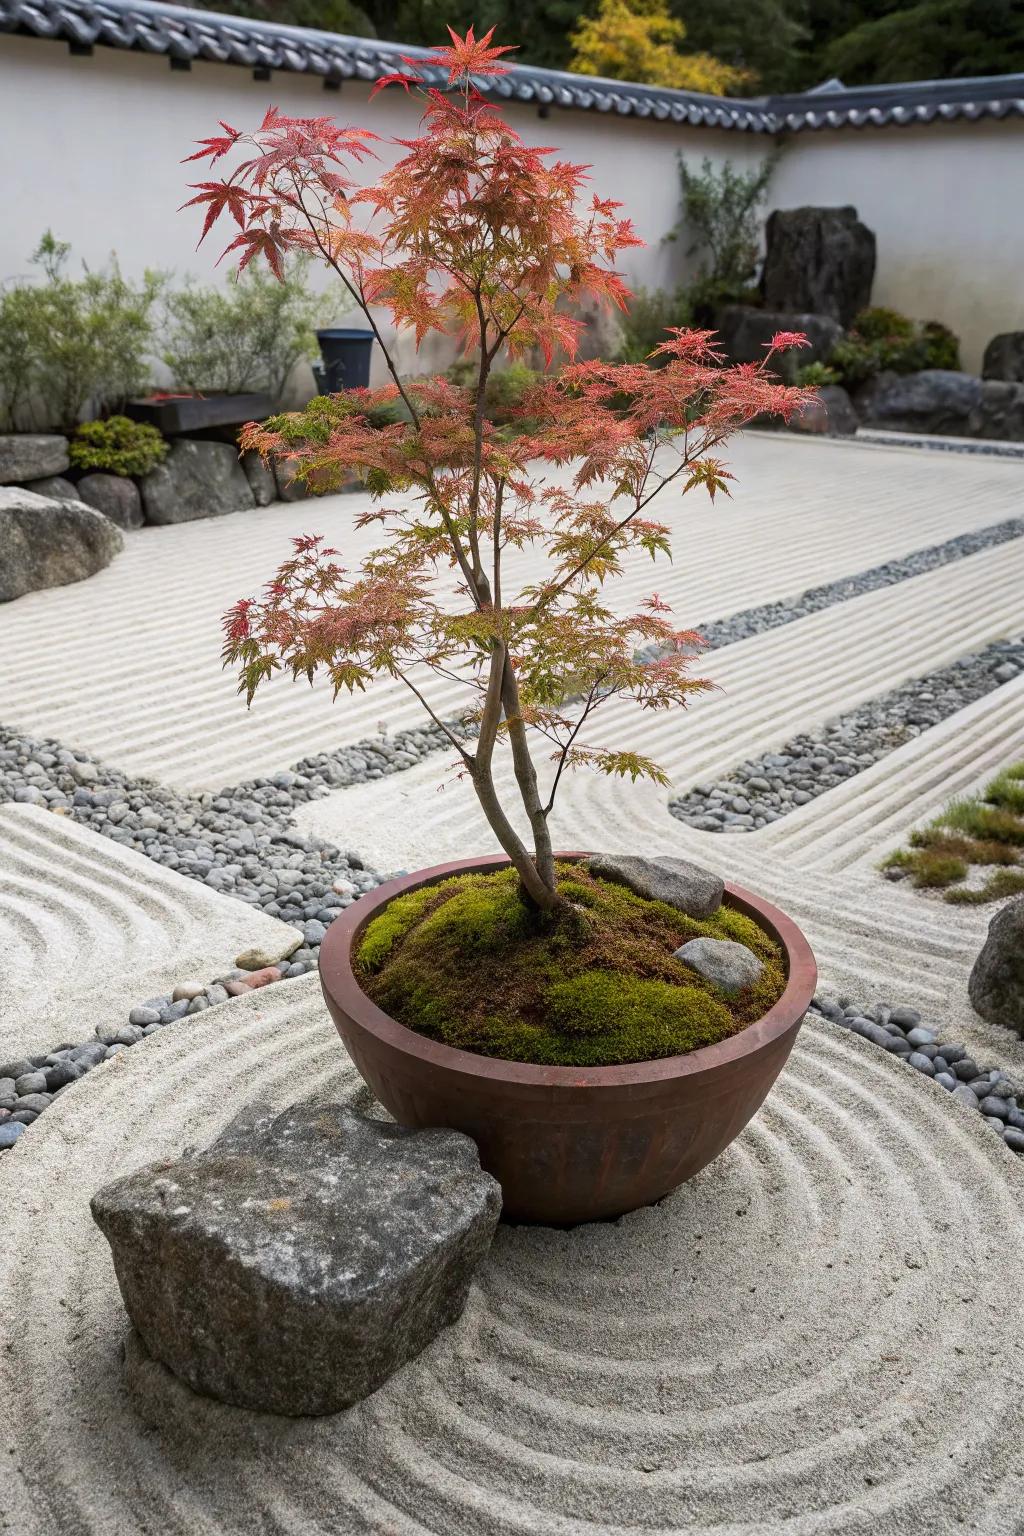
[
  {"x": 946, "y": 202},
  {"x": 92, "y": 149},
  {"x": 94, "y": 144}
]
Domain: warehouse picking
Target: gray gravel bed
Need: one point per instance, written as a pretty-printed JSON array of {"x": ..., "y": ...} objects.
[
  {"x": 983, "y": 446},
  {"x": 899, "y": 1031},
  {"x": 761, "y": 790},
  {"x": 754, "y": 621}
]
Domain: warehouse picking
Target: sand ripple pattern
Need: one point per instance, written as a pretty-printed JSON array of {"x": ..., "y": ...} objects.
[
  {"x": 817, "y": 1335},
  {"x": 88, "y": 929}
]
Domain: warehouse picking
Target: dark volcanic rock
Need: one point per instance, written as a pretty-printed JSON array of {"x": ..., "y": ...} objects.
[
  {"x": 818, "y": 261},
  {"x": 261, "y": 479},
  {"x": 197, "y": 479},
  {"x": 996, "y": 985},
  {"x": 303, "y": 1258},
  {"x": 30, "y": 456},
  {"x": 1004, "y": 358},
  {"x": 115, "y": 496},
  {"x": 831, "y": 415},
  {"x": 1000, "y": 412},
  {"x": 47, "y": 543},
  {"x": 933, "y": 400},
  {"x": 680, "y": 884},
  {"x": 746, "y": 332}
]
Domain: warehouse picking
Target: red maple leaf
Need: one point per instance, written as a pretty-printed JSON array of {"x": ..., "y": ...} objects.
[{"x": 469, "y": 56}]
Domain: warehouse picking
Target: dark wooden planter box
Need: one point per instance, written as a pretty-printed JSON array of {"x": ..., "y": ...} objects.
[
  {"x": 569, "y": 1144},
  {"x": 194, "y": 413}
]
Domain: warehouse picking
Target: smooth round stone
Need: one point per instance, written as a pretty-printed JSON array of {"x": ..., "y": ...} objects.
[
  {"x": 30, "y": 1082},
  {"x": 897, "y": 1046},
  {"x": 921, "y": 1063},
  {"x": 35, "y": 1101},
  {"x": 1002, "y": 1088},
  {"x": 9, "y": 1133},
  {"x": 996, "y": 1123},
  {"x": 953, "y": 1053},
  {"x": 198, "y": 1005},
  {"x": 965, "y": 1069},
  {"x": 187, "y": 990},
  {"x": 991, "y": 1106},
  {"x": 64, "y": 1072},
  {"x": 918, "y": 1036},
  {"x": 23, "y": 1116},
  {"x": 143, "y": 1016},
  {"x": 1016, "y": 1119},
  {"x": 966, "y": 1096},
  {"x": 947, "y": 1080},
  {"x": 1014, "y": 1138},
  {"x": 908, "y": 1017}
]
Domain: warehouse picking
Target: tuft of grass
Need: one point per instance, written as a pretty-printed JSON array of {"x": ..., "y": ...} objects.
[
  {"x": 986, "y": 830},
  {"x": 1007, "y": 790},
  {"x": 931, "y": 869},
  {"x": 463, "y": 962},
  {"x": 1005, "y": 882}
]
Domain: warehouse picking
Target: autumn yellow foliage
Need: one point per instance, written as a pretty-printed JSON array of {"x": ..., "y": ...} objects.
[{"x": 638, "y": 40}]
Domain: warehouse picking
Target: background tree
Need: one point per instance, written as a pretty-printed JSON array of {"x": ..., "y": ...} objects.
[
  {"x": 476, "y": 234},
  {"x": 935, "y": 39},
  {"x": 640, "y": 40}
]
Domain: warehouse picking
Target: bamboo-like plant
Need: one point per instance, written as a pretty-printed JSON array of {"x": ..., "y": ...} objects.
[{"x": 472, "y": 231}]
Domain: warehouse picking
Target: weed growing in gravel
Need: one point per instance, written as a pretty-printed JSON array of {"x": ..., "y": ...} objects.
[{"x": 972, "y": 830}]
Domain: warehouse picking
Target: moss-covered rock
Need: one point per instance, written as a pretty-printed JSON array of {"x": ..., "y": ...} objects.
[{"x": 464, "y": 962}]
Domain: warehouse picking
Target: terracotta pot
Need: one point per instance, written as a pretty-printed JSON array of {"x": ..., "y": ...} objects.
[{"x": 569, "y": 1144}]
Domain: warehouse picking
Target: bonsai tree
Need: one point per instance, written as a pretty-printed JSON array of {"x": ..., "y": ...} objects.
[{"x": 476, "y": 233}]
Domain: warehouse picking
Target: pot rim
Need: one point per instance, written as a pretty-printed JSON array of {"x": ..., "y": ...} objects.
[{"x": 340, "y": 982}]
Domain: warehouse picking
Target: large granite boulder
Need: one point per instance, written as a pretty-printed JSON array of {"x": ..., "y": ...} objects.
[
  {"x": 55, "y": 487},
  {"x": 47, "y": 543},
  {"x": 996, "y": 985},
  {"x": 1004, "y": 358},
  {"x": 746, "y": 333},
  {"x": 303, "y": 1258},
  {"x": 934, "y": 400},
  {"x": 1000, "y": 411},
  {"x": 818, "y": 261},
  {"x": 115, "y": 496},
  {"x": 30, "y": 456},
  {"x": 680, "y": 884},
  {"x": 830, "y": 415},
  {"x": 197, "y": 479}
]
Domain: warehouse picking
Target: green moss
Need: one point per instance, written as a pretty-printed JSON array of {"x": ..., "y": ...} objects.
[
  {"x": 464, "y": 962},
  {"x": 971, "y": 831},
  {"x": 933, "y": 869}
]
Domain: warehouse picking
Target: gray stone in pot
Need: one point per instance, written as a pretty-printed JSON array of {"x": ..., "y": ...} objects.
[
  {"x": 1004, "y": 357},
  {"x": 933, "y": 400},
  {"x": 677, "y": 882},
  {"x": 28, "y": 456},
  {"x": 729, "y": 965},
  {"x": 302, "y": 1259},
  {"x": 115, "y": 496},
  {"x": 996, "y": 985},
  {"x": 47, "y": 543},
  {"x": 197, "y": 479}
]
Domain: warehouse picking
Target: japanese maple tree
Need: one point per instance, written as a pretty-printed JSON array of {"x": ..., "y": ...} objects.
[{"x": 475, "y": 233}]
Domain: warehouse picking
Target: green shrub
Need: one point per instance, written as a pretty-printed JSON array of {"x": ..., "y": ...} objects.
[
  {"x": 248, "y": 335},
  {"x": 505, "y": 387},
  {"x": 68, "y": 344},
  {"x": 118, "y": 446},
  {"x": 650, "y": 314},
  {"x": 720, "y": 218},
  {"x": 816, "y": 375},
  {"x": 881, "y": 340}
]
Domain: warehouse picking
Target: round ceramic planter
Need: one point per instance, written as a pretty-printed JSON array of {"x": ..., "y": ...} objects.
[{"x": 569, "y": 1144}]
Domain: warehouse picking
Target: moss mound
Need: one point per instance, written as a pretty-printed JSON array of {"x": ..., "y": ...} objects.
[{"x": 462, "y": 962}]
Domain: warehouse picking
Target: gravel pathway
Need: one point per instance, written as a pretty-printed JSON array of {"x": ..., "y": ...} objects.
[{"x": 761, "y": 790}]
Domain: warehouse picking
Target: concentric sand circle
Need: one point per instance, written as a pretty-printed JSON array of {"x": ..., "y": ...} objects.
[{"x": 820, "y": 1334}]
